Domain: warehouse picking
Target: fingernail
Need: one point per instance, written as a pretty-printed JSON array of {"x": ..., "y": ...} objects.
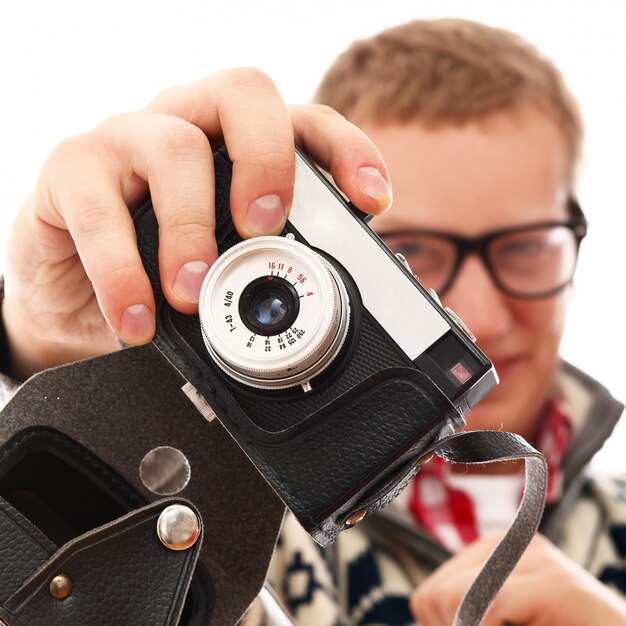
[
  {"x": 372, "y": 184},
  {"x": 137, "y": 321},
  {"x": 189, "y": 280},
  {"x": 265, "y": 215}
]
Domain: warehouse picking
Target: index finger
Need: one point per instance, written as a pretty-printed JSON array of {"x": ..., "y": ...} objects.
[{"x": 244, "y": 108}]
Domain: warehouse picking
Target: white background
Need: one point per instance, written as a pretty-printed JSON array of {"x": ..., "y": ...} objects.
[{"x": 67, "y": 65}]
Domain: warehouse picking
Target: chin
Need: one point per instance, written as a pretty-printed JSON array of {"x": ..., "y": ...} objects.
[
  {"x": 487, "y": 418},
  {"x": 501, "y": 408},
  {"x": 514, "y": 405}
]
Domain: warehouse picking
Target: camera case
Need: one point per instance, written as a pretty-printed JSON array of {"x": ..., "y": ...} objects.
[{"x": 75, "y": 501}]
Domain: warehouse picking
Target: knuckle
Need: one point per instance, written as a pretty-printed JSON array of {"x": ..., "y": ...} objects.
[
  {"x": 326, "y": 112},
  {"x": 69, "y": 149},
  {"x": 185, "y": 245},
  {"x": 182, "y": 141},
  {"x": 319, "y": 117},
  {"x": 119, "y": 119},
  {"x": 115, "y": 274},
  {"x": 269, "y": 155},
  {"x": 95, "y": 217},
  {"x": 119, "y": 284},
  {"x": 109, "y": 137},
  {"x": 423, "y": 605},
  {"x": 187, "y": 225},
  {"x": 161, "y": 102},
  {"x": 251, "y": 79},
  {"x": 116, "y": 271}
]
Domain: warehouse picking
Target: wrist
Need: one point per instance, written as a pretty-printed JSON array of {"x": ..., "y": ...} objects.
[{"x": 22, "y": 354}]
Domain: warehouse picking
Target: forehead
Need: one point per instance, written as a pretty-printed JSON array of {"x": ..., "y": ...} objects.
[{"x": 506, "y": 170}]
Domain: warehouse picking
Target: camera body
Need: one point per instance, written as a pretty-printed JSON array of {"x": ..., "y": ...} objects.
[{"x": 322, "y": 355}]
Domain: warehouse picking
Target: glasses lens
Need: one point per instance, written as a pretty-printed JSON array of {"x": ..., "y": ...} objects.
[
  {"x": 535, "y": 261},
  {"x": 431, "y": 258}
]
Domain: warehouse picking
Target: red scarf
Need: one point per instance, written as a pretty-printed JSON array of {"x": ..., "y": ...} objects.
[{"x": 436, "y": 505}]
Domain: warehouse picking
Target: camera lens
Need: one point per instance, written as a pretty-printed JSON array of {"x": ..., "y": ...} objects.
[
  {"x": 273, "y": 312},
  {"x": 269, "y": 305},
  {"x": 270, "y": 309}
]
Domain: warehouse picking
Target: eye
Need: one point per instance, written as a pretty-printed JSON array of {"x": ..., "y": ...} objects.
[
  {"x": 532, "y": 251},
  {"x": 535, "y": 243},
  {"x": 538, "y": 260},
  {"x": 412, "y": 248},
  {"x": 524, "y": 247}
]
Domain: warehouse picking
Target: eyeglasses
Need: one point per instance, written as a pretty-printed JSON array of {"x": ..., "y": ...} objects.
[{"x": 531, "y": 261}]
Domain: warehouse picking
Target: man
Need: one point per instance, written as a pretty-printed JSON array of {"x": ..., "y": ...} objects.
[
  {"x": 74, "y": 233},
  {"x": 482, "y": 140}
]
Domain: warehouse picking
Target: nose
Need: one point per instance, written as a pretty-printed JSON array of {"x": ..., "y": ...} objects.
[{"x": 479, "y": 303}]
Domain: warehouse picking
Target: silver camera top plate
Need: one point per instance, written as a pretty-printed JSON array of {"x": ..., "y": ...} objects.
[{"x": 387, "y": 290}]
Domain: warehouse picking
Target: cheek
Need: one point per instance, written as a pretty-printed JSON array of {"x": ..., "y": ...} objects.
[
  {"x": 542, "y": 323},
  {"x": 538, "y": 328}
]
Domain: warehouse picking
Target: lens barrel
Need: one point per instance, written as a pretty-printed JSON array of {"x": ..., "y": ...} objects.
[{"x": 273, "y": 312}]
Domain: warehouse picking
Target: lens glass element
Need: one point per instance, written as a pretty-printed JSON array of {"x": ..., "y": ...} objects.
[
  {"x": 269, "y": 305},
  {"x": 270, "y": 308}
]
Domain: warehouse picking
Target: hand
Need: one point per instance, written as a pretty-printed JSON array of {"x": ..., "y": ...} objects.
[
  {"x": 546, "y": 588},
  {"x": 74, "y": 281}
]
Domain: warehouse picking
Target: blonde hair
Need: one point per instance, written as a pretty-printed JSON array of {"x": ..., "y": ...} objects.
[{"x": 448, "y": 71}]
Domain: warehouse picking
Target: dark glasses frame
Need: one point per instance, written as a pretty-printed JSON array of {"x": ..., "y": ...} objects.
[{"x": 479, "y": 245}]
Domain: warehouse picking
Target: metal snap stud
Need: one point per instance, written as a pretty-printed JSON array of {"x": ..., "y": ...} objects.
[
  {"x": 60, "y": 587},
  {"x": 178, "y": 527},
  {"x": 355, "y": 518}
]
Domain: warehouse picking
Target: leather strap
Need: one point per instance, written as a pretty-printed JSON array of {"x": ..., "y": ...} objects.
[{"x": 487, "y": 447}]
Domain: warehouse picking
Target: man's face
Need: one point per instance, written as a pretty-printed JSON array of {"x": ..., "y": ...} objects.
[{"x": 508, "y": 170}]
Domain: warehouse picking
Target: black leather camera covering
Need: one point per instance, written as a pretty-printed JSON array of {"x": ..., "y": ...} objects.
[{"x": 326, "y": 453}]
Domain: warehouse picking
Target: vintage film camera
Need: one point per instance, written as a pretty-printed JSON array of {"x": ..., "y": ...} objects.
[
  {"x": 325, "y": 361},
  {"x": 321, "y": 353}
]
